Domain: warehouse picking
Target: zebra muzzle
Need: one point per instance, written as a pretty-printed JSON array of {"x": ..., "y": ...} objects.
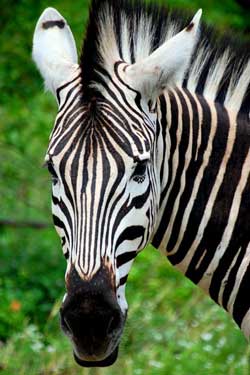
[{"x": 92, "y": 319}]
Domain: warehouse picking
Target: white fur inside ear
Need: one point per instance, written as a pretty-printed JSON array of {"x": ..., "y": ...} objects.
[
  {"x": 167, "y": 65},
  {"x": 54, "y": 49}
]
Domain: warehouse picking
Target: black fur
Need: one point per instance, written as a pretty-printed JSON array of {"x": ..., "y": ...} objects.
[{"x": 48, "y": 24}]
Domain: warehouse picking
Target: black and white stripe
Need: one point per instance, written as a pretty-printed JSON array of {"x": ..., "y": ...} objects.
[{"x": 204, "y": 213}]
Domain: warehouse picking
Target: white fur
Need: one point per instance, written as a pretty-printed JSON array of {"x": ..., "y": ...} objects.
[
  {"x": 54, "y": 51},
  {"x": 197, "y": 67},
  {"x": 216, "y": 74},
  {"x": 167, "y": 65},
  {"x": 238, "y": 88}
]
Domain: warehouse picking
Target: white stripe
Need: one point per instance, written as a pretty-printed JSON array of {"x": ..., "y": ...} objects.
[
  {"x": 183, "y": 265},
  {"x": 227, "y": 235}
]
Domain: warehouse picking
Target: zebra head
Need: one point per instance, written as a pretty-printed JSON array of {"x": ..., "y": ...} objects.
[{"x": 105, "y": 160}]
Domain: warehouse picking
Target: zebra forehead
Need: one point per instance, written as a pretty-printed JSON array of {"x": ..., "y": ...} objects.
[
  {"x": 96, "y": 145},
  {"x": 97, "y": 125}
]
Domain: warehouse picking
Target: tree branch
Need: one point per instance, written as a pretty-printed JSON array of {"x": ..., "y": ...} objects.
[{"x": 24, "y": 224}]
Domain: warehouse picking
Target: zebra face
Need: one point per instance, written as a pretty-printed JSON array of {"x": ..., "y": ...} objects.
[
  {"x": 105, "y": 161},
  {"x": 104, "y": 204}
]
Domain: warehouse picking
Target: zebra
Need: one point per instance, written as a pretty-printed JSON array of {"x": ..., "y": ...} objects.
[{"x": 151, "y": 144}]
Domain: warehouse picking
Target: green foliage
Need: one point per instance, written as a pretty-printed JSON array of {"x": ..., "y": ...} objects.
[
  {"x": 172, "y": 327},
  {"x": 31, "y": 278}
]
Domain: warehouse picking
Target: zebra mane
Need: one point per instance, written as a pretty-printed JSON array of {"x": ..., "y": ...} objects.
[{"x": 130, "y": 30}]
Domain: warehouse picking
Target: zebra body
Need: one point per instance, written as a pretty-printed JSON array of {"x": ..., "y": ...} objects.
[
  {"x": 204, "y": 212},
  {"x": 151, "y": 144}
]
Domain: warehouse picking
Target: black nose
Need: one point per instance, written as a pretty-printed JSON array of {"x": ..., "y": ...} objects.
[
  {"x": 91, "y": 321},
  {"x": 92, "y": 318}
]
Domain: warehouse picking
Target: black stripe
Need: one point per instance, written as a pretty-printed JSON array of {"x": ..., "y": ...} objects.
[
  {"x": 241, "y": 304},
  {"x": 48, "y": 24},
  {"x": 162, "y": 126},
  {"x": 212, "y": 233},
  {"x": 123, "y": 280},
  {"x": 125, "y": 258},
  {"x": 130, "y": 234},
  {"x": 63, "y": 87},
  {"x": 165, "y": 217},
  {"x": 232, "y": 277}
]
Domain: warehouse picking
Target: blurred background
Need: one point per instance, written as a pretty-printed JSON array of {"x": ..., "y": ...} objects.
[{"x": 172, "y": 327}]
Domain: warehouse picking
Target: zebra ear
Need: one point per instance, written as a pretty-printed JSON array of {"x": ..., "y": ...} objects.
[
  {"x": 167, "y": 65},
  {"x": 54, "y": 49}
]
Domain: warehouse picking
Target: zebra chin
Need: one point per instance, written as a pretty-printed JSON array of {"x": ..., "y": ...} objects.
[{"x": 108, "y": 361}]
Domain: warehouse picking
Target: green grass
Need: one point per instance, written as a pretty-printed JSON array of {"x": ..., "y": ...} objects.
[{"x": 172, "y": 327}]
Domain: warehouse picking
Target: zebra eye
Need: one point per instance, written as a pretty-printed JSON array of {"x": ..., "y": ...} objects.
[
  {"x": 140, "y": 171},
  {"x": 52, "y": 172}
]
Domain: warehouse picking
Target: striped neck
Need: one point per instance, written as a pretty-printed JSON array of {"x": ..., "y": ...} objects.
[{"x": 203, "y": 224}]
